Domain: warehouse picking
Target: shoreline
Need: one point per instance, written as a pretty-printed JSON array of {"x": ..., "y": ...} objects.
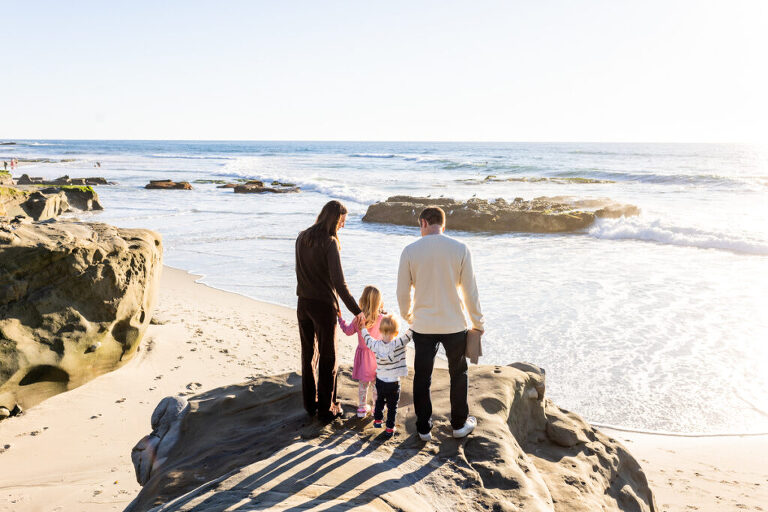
[{"x": 207, "y": 338}]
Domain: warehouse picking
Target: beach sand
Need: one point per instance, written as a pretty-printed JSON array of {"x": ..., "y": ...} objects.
[{"x": 72, "y": 452}]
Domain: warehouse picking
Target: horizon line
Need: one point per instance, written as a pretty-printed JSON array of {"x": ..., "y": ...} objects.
[{"x": 5, "y": 141}]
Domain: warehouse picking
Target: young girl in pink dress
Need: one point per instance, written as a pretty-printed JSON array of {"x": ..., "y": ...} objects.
[{"x": 364, "y": 369}]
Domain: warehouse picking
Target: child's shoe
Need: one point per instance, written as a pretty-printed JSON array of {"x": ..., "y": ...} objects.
[
  {"x": 363, "y": 411},
  {"x": 390, "y": 432},
  {"x": 377, "y": 423}
]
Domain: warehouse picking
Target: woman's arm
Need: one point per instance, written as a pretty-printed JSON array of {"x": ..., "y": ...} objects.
[{"x": 337, "y": 279}]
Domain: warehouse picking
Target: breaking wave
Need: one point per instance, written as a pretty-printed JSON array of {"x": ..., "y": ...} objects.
[{"x": 637, "y": 228}]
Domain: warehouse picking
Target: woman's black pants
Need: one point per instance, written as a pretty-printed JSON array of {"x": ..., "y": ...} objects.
[{"x": 317, "y": 329}]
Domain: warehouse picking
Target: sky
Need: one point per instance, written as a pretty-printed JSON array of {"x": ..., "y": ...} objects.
[{"x": 533, "y": 70}]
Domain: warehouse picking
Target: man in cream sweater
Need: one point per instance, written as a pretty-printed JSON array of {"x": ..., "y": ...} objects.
[{"x": 439, "y": 270}]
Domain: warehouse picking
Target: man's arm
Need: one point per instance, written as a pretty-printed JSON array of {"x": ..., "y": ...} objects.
[
  {"x": 404, "y": 285},
  {"x": 469, "y": 290}
]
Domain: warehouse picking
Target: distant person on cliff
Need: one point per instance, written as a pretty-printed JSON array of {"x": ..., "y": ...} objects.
[
  {"x": 439, "y": 271},
  {"x": 5, "y": 165},
  {"x": 320, "y": 284}
]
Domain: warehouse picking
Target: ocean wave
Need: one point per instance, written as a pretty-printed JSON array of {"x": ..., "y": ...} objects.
[
  {"x": 191, "y": 157},
  {"x": 21, "y": 143},
  {"x": 372, "y": 155},
  {"x": 242, "y": 168},
  {"x": 638, "y": 228}
]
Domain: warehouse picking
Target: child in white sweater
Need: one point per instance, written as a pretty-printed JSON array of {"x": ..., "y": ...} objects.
[{"x": 390, "y": 366}]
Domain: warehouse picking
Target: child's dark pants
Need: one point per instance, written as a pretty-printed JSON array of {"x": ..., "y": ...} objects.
[{"x": 389, "y": 394}]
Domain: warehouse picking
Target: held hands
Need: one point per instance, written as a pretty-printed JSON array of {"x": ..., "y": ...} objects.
[{"x": 359, "y": 321}]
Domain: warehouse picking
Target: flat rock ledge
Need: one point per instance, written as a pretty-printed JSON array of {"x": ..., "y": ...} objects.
[
  {"x": 541, "y": 215},
  {"x": 251, "y": 446},
  {"x": 168, "y": 185},
  {"x": 75, "y": 301},
  {"x": 258, "y": 187}
]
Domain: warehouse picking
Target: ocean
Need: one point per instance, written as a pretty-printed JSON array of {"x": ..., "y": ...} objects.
[{"x": 657, "y": 322}]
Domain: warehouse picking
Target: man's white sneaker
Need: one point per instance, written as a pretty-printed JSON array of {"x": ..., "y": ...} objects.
[
  {"x": 426, "y": 437},
  {"x": 467, "y": 429}
]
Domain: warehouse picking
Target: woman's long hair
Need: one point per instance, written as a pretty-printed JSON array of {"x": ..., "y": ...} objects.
[
  {"x": 371, "y": 304},
  {"x": 327, "y": 223}
]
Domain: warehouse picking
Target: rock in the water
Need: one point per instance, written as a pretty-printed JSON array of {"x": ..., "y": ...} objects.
[
  {"x": 258, "y": 187},
  {"x": 168, "y": 185},
  {"x": 255, "y": 442},
  {"x": 540, "y": 215},
  {"x": 65, "y": 287}
]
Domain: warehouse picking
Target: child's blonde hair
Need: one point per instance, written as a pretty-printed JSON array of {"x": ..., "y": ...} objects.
[
  {"x": 389, "y": 325},
  {"x": 371, "y": 303}
]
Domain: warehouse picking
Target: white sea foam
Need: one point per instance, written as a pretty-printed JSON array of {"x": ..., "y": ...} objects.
[
  {"x": 655, "y": 230},
  {"x": 251, "y": 168}
]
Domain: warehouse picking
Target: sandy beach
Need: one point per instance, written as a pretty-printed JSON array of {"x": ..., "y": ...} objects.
[{"x": 72, "y": 452}]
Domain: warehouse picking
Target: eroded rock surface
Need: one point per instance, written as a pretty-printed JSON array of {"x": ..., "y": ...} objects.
[
  {"x": 252, "y": 446},
  {"x": 46, "y": 203},
  {"x": 75, "y": 300},
  {"x": 25, "y": 179},
  {"x": 258, "y": 187},
  {"x": 540, "y": 215},
  {"x": 168, "y": 185}
]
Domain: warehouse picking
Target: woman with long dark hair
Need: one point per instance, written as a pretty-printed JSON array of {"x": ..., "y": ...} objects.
[{"x": 320, "y": 284}]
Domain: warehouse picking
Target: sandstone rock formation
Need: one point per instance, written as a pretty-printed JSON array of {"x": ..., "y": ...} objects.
[
  {"x": 258, "y": 187},
  {"x": 75, "y": 300},
  {"x": 46, "y": 203},
  {"x": 81, "y": 197},
  {"x": 25, "y": 179},
  {"x": 540, "y": 215},
  {"x": 252, "y": 446},
  {"x": 168, "y": 185},
  {"x": 5, "y": 178}
]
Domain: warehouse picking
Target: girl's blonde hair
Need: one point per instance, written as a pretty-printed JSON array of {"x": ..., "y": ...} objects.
[
  {"x": 389, "y": 325},
  {"x": 371, "y": 304}
]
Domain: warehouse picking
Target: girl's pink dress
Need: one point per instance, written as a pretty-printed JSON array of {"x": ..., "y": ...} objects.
[{"x": 364, "y": 369}]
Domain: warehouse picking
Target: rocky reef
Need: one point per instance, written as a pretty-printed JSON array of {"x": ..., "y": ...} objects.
[
  {"x": 75, "y": 300},
  {"x": 25, "y": 179},
  {"x": 540, "y": 215},
  {"x": 258, "y": 187},
  {"x": 168, "y": 185},
  {"x": 252, "y": 446}
]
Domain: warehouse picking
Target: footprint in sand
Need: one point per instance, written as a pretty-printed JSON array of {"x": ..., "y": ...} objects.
[{"x": 193, "y": 386}]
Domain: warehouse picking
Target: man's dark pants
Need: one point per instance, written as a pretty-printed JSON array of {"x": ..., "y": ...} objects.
[
  {"x": 387, "y": 393},
  {"x": 426, "y": 346}
]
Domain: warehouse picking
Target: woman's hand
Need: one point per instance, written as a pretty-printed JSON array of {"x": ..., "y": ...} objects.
[{"x": 360, "y": 320}]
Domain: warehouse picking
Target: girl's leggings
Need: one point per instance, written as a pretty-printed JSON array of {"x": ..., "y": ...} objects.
[{"x": 362, "y": 393}]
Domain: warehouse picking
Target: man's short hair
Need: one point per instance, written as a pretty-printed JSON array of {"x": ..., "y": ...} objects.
[{"x": 433, "y": 215}]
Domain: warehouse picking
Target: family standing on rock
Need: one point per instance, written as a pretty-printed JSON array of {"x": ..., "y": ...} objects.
[{"x": 438, "y": 270}]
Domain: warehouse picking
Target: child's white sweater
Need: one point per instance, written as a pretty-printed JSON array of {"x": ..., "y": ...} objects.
[{"x": 390, "y": 356}]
